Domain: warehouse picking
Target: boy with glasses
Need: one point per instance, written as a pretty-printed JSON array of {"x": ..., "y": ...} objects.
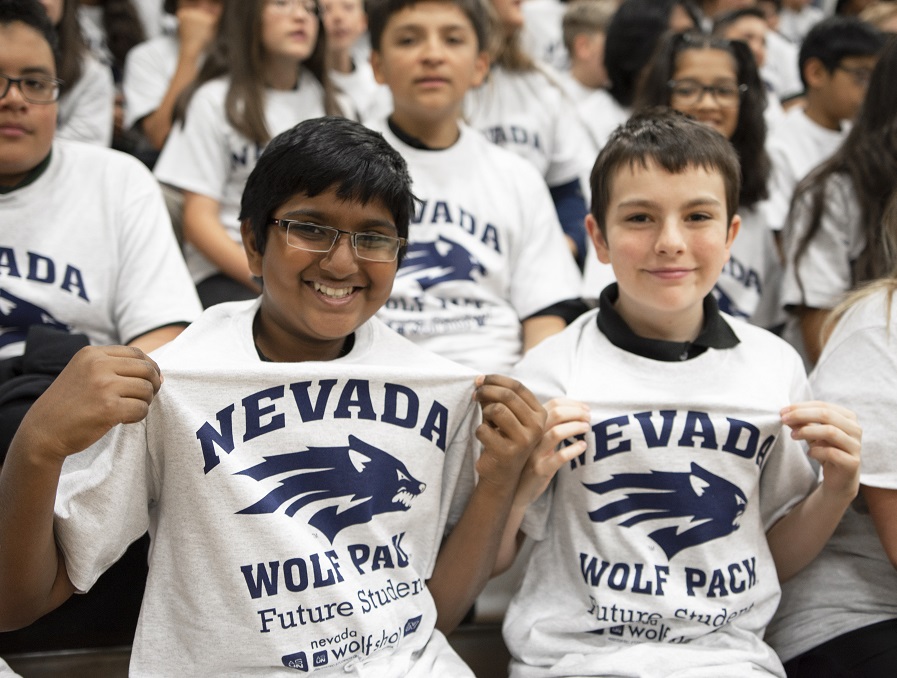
[
  {"x": 322, "y": 494},
  {"x": 836, "y": 61}
]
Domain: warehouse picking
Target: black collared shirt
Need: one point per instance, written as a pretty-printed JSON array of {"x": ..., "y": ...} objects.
[{"x": 715, "y": 333}]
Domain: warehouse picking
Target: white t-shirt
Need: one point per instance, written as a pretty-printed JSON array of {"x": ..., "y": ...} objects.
[
  {"x": 88, "y": 247},
  {"x": 371, "y": 100},
  {"x": 529, "y": 115},
  {"x": 852, "y": 583},
  {"x": 651, "y": 557},
  {"x": 825, "y": 267},
  {"x": 795, "y": 146},
  {"x": 208, "y": 156},
  {"x": 486, "y": 251},
  {"x": 781, "y": 69},
  {"x": 149, "y": 69},
  {"x": 795, "y": 25},
  {"x": 86, "y": 111},
  {"x": 543, "y": 35},
  {"x": 295, "y": 509},
  {"x": 601, "y": 114}
]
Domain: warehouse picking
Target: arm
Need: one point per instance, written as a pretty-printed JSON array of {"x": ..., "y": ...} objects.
[
  {"x": 834, "y": 438},
  {"x": 811, "y": 322},
  {"x": 566, "y": 418},
  {"x": 153, "y": 339},
  {"x": 99, "y": 388},
  {"x": 196, "y": 29},
  {"x": 513, "y": 421},
  {"x": 883, "y": 509},
  {"x": 537, "y": 328},
  {"x": 203, "y": 229}
]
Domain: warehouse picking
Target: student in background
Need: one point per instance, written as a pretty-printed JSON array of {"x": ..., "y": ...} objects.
[
  {"x": 834, "y": 234},
  {"x": 264, "y": 74},
  {"x": 882, "y": 15},
  {"x": 87, "y": 102},
  {"x": 838, "y": 617},
  {"x": 797, "y": 17},
  {"x": 585, "y": 28}
]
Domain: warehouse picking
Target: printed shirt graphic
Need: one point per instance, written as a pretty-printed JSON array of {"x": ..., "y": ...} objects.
[
  {"x": 656, "y": 534},
  {"x": 106, "y": 263},
  {"x": 486, "y": 251},
  {"x": 296, "y": 509}
]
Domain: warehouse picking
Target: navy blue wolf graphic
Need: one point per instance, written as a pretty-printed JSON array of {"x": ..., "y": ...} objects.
[
  {"x": 726, "y": 305},
  {"x": 434, "y": 262},
  {"x": 367, "y": 480},
  {"x": 713, "y": 503},
  {"x": 17, "y": 315}
]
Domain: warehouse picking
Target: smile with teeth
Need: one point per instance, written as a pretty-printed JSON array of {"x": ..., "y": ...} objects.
[{"x": 333, "y": 292}]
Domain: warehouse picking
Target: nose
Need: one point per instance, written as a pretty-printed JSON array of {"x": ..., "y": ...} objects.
[
  {"x": 434, "y": 50},
  {"x": 341, "y": 257},
  {"x": 670, "y": 239},
  {"x": 13, "y": 95}
]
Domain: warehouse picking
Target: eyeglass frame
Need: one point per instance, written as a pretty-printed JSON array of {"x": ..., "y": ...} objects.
[
  {"x": 10, "y": 81},
  {"x": 861, "y": 76},
  {"x": 712, "y": 90},
  {"x": 337, "y": 232},
  {"x": 310, "y": 7}
]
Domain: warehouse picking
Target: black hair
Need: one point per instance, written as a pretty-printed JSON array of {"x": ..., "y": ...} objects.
[
  {"x": 674, "y": 141},
  {"x": 322, "y": 153},
  {"x": 722, "y": 21},
  {"x": 836, "y": 38},
  {"x": 868, "y": 159},
  {"x": 170, "y": 6},
  {"x": 749, "y": 137},
  {"x": 32, "y": 14},
  {"x": 380, "y": 11},
  {"x": 632, "y": 34}
]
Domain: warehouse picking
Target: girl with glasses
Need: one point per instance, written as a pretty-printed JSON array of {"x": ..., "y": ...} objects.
[{"x": 264, "y": 73}]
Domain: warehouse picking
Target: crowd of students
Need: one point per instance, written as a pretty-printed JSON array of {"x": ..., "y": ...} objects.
[{"x": 591, "y": 252}]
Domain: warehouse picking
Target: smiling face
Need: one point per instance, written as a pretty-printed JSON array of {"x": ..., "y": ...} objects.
[
  {"x": 708, "y": 67},
  {"x": 667, "y": 237},
  {"x": 26, "y": 129},
  {"x": 429, "y": 58},
  {"x": 312, "y": 301}
]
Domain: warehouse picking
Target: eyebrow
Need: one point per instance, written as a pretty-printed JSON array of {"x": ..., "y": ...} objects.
[
  {"x": 695, "y": 202},
  {"x": 40, "y": 70},
  {"x": 321, "y": 216}
]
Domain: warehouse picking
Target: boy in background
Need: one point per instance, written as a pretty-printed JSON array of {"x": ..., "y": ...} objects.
[
  {"x": 585, "y": 26},
  {"x": 487, "y": 273},
  {"x": 836, "y": 62},
  {"x": 307, "y": 475},
  {"x": 684, "y": 499}
]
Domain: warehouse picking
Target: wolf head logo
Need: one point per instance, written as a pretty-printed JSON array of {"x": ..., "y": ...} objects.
[
  {"x": 434, "y": 262},
  {"x": 713, "y": 503},
  {"x": 358, "y": 482},
  {"x": 17, "y": 315},
  {"x": 726, "y": 304}
]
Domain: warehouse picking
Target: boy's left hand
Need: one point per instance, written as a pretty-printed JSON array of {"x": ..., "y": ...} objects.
[
  {"x": 513, "y": 422},
  {"x": 834, "y": 437}
]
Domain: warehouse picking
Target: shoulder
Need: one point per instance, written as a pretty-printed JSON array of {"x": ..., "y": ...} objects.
[
  {"x": 505, "y": 163},
  {"x": 388, "y": 348},
  {"x": 763, "y": 346},
  {"x": 96, "y": 162},
  {"x": 160, "y": 51}
]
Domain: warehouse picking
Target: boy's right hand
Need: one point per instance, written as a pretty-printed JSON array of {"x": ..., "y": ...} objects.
[
  {"x": 102, "y": 386},
  {"x": 566, "y": 418}
]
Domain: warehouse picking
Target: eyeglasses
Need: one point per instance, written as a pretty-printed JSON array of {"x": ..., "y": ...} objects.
[
  {"x": 35, "y": 89},
  {"x": 290, "y": 6},
  {"x": 690, "y": 92},
  {"x": 316, "y": 238},
  {"x": 860, "y": 76}
]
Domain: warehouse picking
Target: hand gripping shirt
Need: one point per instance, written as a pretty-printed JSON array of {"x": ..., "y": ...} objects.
[
  {"x": 651, "y": 556},
  {"x": 296, "y": 509}
]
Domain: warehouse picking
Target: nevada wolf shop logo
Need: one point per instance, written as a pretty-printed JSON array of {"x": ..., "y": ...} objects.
[
  {"x": 17, "y": 315},
  {"x": 713, "y": 504},
  {"x": 367, "y": 480},
  {"x": 431, "y": 263}
]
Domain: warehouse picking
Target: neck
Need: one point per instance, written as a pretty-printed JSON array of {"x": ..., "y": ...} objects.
[
  {"x": 282, "y": 74},
  {"x": 816, "y": 113},
  {"x": 437, "y": 133},
  {"x": 279, "y": 346},
  {"x": 583, "y": 75},
  {"x": 677, "y": 327},
  {"x": 341, "y": 61}
]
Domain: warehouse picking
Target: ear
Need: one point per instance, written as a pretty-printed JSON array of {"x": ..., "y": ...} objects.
[
  {"x": 252, "y": 253},
  {"x": 377, "y": 67},
  {"x": 734, "y": 227},
  {"x": 598, "y": 239},
  {"x": 480, "y": 69},
  {"x": 581, "y": 46},
  {"x": 815, "y": 72}
]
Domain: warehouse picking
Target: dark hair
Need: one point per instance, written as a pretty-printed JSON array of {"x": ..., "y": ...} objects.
[
  {"x": 837, "y": 37},
  {"x": 237, "y": 52},
  {"x": 380, "y": 11},
  {"x": 170, "y": 6},
  {"x": 868, "y": 158},
  {"x": 722, "y": 21},
  {"x": 674, "y": 141},
  {"x": 32, "y": 14},
  {"x": 322, "y": 153},
  {"x": 749, "y": 137},
  {"x": 632, "y": 34},
  {"x": 72, "y": 47},
  {"x": 123, "y": 29}
]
